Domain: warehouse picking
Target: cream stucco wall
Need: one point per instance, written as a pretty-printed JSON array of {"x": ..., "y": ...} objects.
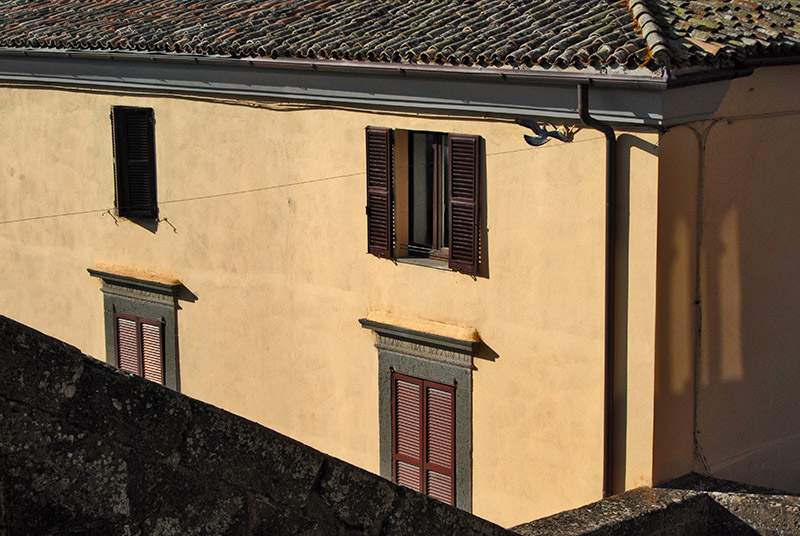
[
  {"x": 729, "y": 369},
  {"x": 267, "y": 205}
]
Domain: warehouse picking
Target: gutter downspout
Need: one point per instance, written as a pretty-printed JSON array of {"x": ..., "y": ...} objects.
[{"x": 610, "y": 302}]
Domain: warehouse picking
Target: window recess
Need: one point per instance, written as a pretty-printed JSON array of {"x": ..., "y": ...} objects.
[
  {"x": 425, "y": 407},
  {"x": 141, "y": 323}
]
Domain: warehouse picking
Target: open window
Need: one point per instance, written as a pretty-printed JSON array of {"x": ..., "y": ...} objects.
[{"x": 423, "y": 197}]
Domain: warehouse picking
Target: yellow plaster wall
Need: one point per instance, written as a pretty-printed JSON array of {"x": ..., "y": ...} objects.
[
  {"x": 745, "y": 163},
  {"x": 673, "y": 448},
  {"x": 269, "y": 234}
]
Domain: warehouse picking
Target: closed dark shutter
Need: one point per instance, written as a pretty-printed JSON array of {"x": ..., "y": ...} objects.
[
  {"x": 140, "y": 346},
  {"x": 423, "y": 443},
  {"x": 379, "y": 191},
  {"x": 464, "y": 174},
  {"x": 134, "y": 147}
]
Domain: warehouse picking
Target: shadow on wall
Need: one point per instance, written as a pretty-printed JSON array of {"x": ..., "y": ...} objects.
[
  {"x": 749, "y": 390},
  {"x": 626, "y": 145},
  {"x": 748, "y": 278}
]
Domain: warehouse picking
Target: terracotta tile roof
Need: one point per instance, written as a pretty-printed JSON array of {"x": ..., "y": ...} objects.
[
  {"x": 720, "y": 32},
  {"x": 600, "y": 34}
]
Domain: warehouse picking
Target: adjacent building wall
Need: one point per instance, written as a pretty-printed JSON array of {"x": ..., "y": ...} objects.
[
  {"x": 734, "y": 363},
  {"x": 263, "y": 222}
]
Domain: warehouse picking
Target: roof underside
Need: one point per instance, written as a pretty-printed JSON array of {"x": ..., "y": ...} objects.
[{"x": 601, "y": 35}]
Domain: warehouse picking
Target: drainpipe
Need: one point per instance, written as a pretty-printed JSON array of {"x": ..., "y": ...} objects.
[{"x": 610, "y": 243}]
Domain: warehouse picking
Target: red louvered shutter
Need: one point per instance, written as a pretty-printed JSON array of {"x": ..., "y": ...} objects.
[
  {"x": 423, "y": 443},
  {"x": 140, "y": 346},
  {"x": 134, "y": 146},
  {"x": 464, "y": 178},
  {"x": 407, "y": 429},
  {"x": 379, "y": 191},
  {"x": 440, "y": 442},
  {"x": 152, "y": 351},
  {"x": 127, "y": 344}
]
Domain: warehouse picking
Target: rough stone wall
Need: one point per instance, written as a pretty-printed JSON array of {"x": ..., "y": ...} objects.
[
  {"x": 87, "y": 449},
  {"x": 691, "y": 506}
]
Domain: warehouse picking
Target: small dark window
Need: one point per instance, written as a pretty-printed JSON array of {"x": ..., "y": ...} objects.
[
  {"x": 140, "y": 346},
  {"x": 423, "y": 197},
  {"x": 135, "y": 162}
]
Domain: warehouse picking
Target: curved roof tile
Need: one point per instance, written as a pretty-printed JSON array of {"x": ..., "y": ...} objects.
[{"x": 633, "y": 34}]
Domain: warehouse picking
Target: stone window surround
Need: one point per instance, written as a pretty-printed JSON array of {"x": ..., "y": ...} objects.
[
  {"x": 435, "y": 358},
  {"x": 143, "y": 298}
]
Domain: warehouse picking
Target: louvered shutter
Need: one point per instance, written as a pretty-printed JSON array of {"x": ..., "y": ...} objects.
[
  {"x": 440, "y": 442},
  {"x": 379, "y": 191},
  {"x": 407, "y": 426},
  {"x": 152, "y": 351},
  {"x": 134, "y": 146},
  {"x": 464, "y": 175},
  {"x": 127, "y": 344},
  {"x": 423, "y": 443}
]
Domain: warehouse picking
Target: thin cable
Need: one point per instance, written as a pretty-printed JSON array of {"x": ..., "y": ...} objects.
[{"x": 239, "y": 192}]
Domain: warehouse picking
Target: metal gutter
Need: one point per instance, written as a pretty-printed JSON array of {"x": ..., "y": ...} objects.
[
  {"x": 610, "y": 281},
  {"x": 629, "y": 100},
  {"x": 524, "y": 76},
  {"x": 745, "y": 68},
  {"x": 704, "y": 77}
]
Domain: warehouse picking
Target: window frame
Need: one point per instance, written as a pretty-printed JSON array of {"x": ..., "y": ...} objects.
[
  {"x": 135, "y": 195},
  {"x": 152, "y": 301},
  {"x": 390, "y": 199},
  {"x": 432, "y": 358}
]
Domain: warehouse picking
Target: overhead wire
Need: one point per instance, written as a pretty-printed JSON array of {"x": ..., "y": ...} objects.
[{"x": 103, "y": 210}]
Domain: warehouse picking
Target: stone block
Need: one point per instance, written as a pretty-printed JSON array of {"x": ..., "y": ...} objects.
[
  {"x": 248, "y": 455},
  {"x": 136, "y": 413},
  {"x": 37, "y": 369}
]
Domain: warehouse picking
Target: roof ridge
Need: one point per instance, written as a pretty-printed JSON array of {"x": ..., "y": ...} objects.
[{"x": 651, "y": 31}]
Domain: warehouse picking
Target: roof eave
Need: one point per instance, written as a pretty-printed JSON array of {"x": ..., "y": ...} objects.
[
  {"x": 634, "y": 80},
  {"x": 625, "y": 98}
]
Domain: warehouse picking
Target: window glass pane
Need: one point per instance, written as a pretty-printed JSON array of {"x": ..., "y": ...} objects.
[
  {"x": 444, "y": 187},
  {"x": 421, "y": 185}
]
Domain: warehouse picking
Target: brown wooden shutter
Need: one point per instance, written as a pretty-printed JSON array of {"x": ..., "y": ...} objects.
[
  {"x": 152, "y": 351},
  {"x": 464, "y": 175},
  {"x": 379, "y": 191},
  {"x": 407, "y": 426},
  {"x": 140, "y": 346},
  {"x": 440, "y": 442},
  {"x": 134, "y": 146},
  {"x": 423, "y": 443},
  {"x": 127, "y": 343}
]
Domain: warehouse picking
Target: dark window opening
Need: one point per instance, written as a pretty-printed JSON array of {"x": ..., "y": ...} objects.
[{"x": 428, "y": 196}]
